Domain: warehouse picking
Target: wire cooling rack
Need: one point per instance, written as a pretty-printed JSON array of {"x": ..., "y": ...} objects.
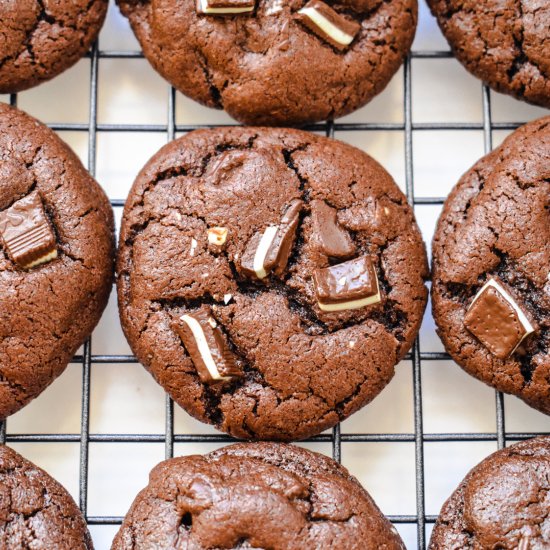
[{"x": 335, "y": 438}]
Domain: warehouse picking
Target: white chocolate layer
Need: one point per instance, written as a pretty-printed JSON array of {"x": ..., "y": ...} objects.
[
  {"x": 527, "y": 326},
  {"x": 208, "y": 10},
  {"x": 327, "y": 27},
  {"x": 44, "y": 259},
  {"x": 204, "y": 349},
  {"x": 261, "y": 251},
  {"x": 353, "y": 304}
]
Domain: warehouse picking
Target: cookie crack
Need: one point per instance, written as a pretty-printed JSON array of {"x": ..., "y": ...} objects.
[{"x": 214, "y": 91}]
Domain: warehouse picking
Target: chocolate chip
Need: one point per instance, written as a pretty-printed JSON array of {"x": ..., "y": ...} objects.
[
  {"x": 27, "y": 233},
  {"x": 349, "y": 285},
  {"x": 496, "y": 320},
  {"x": 223, "y": 164},
  {"x": 207, "y": 346},
  {"x": 225, "y": 7},
  {"x": 333, "y": 240},
  {"x": 327, "y": 24},
  {"x": 269, "y": 250}
]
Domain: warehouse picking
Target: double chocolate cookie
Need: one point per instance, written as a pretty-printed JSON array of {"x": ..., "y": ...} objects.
[
  {"x": 39, "y": 40},
  {"x": 56, "y": 257},
  {"x": 491, "y": 264},
  {"x": 276, "y": 62},
  {"x": 262, "y": 495},
  {"x": 35, "y": 510},
  {"x": 506, "y": 43},
  {"x": 269, "y": 279},
  {"x": 504, "y": 502}
]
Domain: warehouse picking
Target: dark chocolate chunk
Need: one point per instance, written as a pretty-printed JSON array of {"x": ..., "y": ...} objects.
[
  {"x": 279, "y": 251},
  {"x": 269, "y": 250},
  {"x": 225, "y": 7},
  {"x": 349, "y": 285},
  {"x": 327, "y": 24},
  {"x": 496, "y": 320},
  {"x": 222, "y": 165},
  {"x": 27, "y": 233},
  {"x": 249, "y": 265},
  {"x": 333, "y": 240},
  {"x": 207, "y": 346}
]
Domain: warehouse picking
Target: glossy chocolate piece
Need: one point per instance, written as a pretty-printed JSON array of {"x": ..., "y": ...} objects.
[
  {"x": 223, "y": 164},
  {"x": 327, "y": 24},
  {"x": 496, "y": 320},
  {"x": 349, "y": 285},
  {"x": 224, "y": 7},
  {"x": 207, "y": 346},
  {"x": 27, "y": 233},
  {"x": 250, "y": 253},
  {"x": 333, "y": 240},
  {"x": 268, "y": 251}
]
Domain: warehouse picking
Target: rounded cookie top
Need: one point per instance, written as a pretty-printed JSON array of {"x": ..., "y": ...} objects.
[
  {"x": 491, "y": 263},
  {"x": 234, "y": 243},
  {"x": 56, "y": 257},
  {"x": 503, "y": 43},
  {"x": 274, "y": 65},
  {"x": 502, "y": 503},
  {"x": 35, "y": 510},
  {"x": 262, "y": 495},
  {"x": 39, "y": 40}
]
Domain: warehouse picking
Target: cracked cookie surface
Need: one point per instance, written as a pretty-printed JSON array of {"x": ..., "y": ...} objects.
[
  {"x": 49, "y": 310},
  {"x": 35, "y": 510},
  {"x": 303, "y": 369},
  {"x": 504, "y": 502},
  {"x": 255, "y": 495},
  {"x": 267, "y": 68},
  {"x": 504, "y": 43},
  {"x": 39, "y": 39},
  {"x": 496, "y": 223}
]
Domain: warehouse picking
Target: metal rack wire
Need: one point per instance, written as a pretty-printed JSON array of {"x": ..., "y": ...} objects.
[{"x": 336, "y": 438}]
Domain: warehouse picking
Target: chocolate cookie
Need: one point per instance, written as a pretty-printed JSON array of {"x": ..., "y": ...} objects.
[
  {"x": 491, "y": 263},
  {"x": 275, "y": 62},
  {"x": 503, "y": 43},
  {"x": 262, "y": 495},
  {"x": 35, "y": 510},
  {"x": 269, "y": 279},
  {"x": 39, "y": 40},
  {"x": 56, "y": 257},
  {"x": 503, "y": 502}
]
